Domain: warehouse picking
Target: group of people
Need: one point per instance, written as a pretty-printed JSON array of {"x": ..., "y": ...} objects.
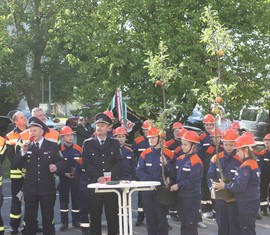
[{"x": 214, "y": 175}]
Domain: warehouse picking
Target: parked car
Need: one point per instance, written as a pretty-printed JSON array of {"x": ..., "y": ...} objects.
[
  {"x": 4, "y": 124},
  {"x": 27, "y": 113},
  {"x": 255, "y": 120},
  {"x": 194, "y": 122}
]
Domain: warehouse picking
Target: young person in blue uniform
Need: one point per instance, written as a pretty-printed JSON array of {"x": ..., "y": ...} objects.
[
  {"x": 42, "y": 159},
  {"x": 208, "y": 209},
  {"x": 68, "y": 186},
  {"x": 150, "y": 169},
  {"x": 138, "y": 146},
  {"x": 83, "y": 180},
  {"x": 128, "y": 170},
  {"x": 245, "y": 185},
  {"x": 226, "y": 209},
  {"x": 264, "y": 164},
  {"x": 102, "y": 154},
  {"x": 173, "y": 143},
  {"x": 189, "y": 170}
]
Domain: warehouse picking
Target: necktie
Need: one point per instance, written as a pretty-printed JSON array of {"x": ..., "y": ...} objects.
[
  {"x": 102, "y": 142},
  {"x": 37, "y": 145}
]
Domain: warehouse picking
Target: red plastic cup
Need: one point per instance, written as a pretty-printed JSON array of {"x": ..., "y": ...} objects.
[{"x": 107, "y": 176}]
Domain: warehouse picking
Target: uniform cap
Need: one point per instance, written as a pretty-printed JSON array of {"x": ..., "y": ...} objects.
[
  {"x": 109, "y": 114},
  {"x": 208, "y": 118},
  {"x": 101, "y": 117},
  {"x": 119, "y": 131},
  {"x": 244, "y": 141},
  {"x": 34, "y": 121},
  {"x": 66, "y": 130},
  {"x": 177, "y": 125},
  {"x": 229, "y": 135},
  {"x": 191, "y": 136}
]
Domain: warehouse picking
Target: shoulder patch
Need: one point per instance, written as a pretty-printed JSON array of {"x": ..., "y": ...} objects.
[
  {"x": 237, "y": 158},
  {"x": 168, "y": 152},
  {"x": 251, "y": 163},
  {"x": 181, "y": 157},
  {"x": 195, "y": 159},
  {"x": 146, "y": 151},
  {"x": 202, "y": 136},
  {"x": 139, "y": 139},
  {"x": 77, "y": 147},
  {"x": 126, "y": 147}
]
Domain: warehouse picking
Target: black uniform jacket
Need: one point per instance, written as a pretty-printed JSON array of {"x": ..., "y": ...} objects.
[
  {"x": 38, "y": 178},
  {"x": 101, "y": 158}
]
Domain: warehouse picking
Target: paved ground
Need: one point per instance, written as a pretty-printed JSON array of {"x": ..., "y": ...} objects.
[{"x": 263, "y": 226}]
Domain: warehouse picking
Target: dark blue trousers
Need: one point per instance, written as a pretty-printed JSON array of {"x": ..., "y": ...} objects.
[
  {"x": 155, "y": 214},
  {"x": 227, "y": 218},
  {"x": 248, "y": 211},
  {"x": 189, "y": 206}
]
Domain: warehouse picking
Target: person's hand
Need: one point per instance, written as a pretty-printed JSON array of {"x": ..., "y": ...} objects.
[
  {"x": 219, "y": 185},
  {"x": 25, "y": 145},
  {"x": 174, "y": 188},
  {"x": 101, "y": 180},
  {"x": 69, "y": 175},
  {"x": 163, "y": 160},
  {"x": 52, "y": 168}
]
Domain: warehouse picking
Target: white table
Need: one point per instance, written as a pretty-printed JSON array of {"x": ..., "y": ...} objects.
[{"x": 124, "y": 190}]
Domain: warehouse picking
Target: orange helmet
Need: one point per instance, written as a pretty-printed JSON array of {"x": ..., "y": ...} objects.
[
  {"x": 191, "y": 136},
  {"x": 109, "y": 114},
  {"x": 145, "y": 124},
  {"x": 267, "y": 137},
  {"x": 229, "y": 135},
  {"x": 249, "y": 133},
  {"x": 244, "y": 141},
  {"x": 119, "y": 131},
  {"x": 212, "y": 133},
  {"x": 177, "y": 125},
  {"x": 66, "y": 130},
  {"x": 152, "y": 132},
  {"x": 235, "y": 125},
  {"x": 208, "y": 118},
  {"x": 181, "y": 133}
]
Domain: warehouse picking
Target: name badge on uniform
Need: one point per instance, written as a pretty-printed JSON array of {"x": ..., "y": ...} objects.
[
  {"x": 128, "y": 157},
  {"x": 148, "y": 164}
]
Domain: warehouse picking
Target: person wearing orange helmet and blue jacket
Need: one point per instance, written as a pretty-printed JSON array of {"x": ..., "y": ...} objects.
[
  {"x": 189, "y": 170},
  {"x": 67, "y": 183},
  {"x": 245, "y": 185},
  {"x": 128, "y": 171},
  {"x": 150, "y": 169},
  {"x": 225, "y": 164}
]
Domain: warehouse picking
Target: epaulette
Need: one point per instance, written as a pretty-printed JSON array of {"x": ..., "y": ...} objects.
[
  {"x": 146, "y": 151},
  {"x": 168, "y": 152},
  {"x": 195, "y": 159},
  {"x": 181, "y": 157},
  {"x": 203, "y": 135},
  {"x": 251, "y": 163},
  {"x": 126, "y": 147}
]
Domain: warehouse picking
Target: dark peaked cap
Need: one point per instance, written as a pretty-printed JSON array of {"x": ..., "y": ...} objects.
[
  {"x": 34, "y": 121},
  {"x": 101, "y": 117}
]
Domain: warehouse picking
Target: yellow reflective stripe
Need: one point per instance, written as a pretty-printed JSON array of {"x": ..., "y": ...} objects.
[
  {"x": 2, "y": 228},
  {"x": 3, "y": 149},
  {"x": 15, "y": 216},
  {"x": 16, "y": 176},
  {"x": 17, "y": 171}
]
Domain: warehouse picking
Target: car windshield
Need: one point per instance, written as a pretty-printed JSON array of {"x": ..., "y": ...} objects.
[{"x": 249, "y": 114}]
